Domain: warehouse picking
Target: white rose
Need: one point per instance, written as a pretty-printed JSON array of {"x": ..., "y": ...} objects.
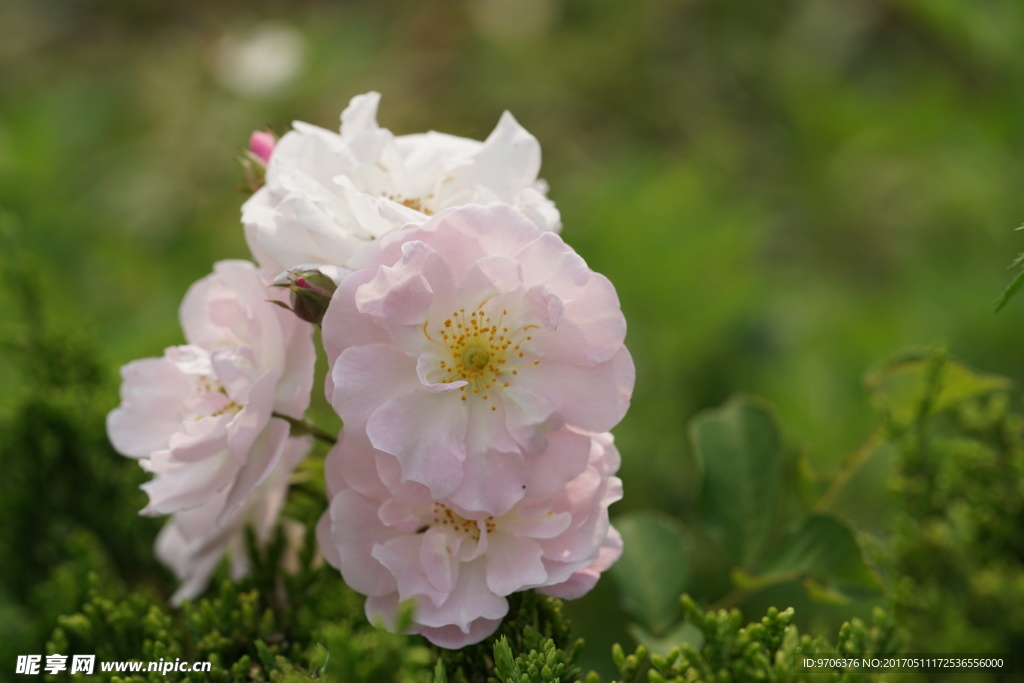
[{"x": 327, "y": 195}]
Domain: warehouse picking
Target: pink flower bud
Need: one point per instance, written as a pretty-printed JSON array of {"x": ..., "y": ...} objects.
[
  {"x": 261, "y": 144},
  {"x": 311, "y": 292}
]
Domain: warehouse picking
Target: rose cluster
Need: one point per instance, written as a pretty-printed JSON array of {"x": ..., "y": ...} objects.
[{"x": 476, "y": 361}]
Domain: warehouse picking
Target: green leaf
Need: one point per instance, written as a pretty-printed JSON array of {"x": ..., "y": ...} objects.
[
  {"x": 741, "y": 451},
  {"x": 504, "y": 661},
  {"x": 824, "y": 553},
  {"x": 682, "y": 632},
  {"x": 823, "y": 594},
  {"x": 904, "y": 384},
  {"x": 654, "y": 568},
  {"x": 1014, "y": 286}
]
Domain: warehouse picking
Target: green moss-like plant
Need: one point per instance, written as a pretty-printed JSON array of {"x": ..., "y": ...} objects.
[
  {"x": 957, "y": 547},
  {"x": 533, "y": 620},
  {"x": 769, "y": 650}
]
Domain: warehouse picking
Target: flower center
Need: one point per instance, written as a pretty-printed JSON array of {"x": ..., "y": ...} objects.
[
  {"x": 209, "y": 385},
  {"x": 483, "y": 351},
  {"x": 442, "y": 515},
  {"x": 475, "y": 358},
  {"x": 415, "y": 203}
]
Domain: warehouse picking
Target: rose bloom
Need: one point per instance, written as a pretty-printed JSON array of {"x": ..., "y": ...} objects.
[
  {"x": 463, "y": 343},
  {"x": 201, "y": 418},
  {"x": 328, "y": 195},
  {"x": 192, "y": 542},
  {"x": 394, "y": 542}
]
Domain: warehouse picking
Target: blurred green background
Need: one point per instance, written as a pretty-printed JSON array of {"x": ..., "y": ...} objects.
[{"x": 783, "y": 192}]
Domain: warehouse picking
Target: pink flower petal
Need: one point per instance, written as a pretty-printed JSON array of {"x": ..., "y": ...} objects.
[
  {"x": 428, "y": 364},
  {"x": 365, "y": 377},
  {"x": 151, "y": 392},
  {"x": 490, "y": 276},
  {"x": 580, "y": 583},
  {"x": 437, "y": 557},
  {"x": 513, "y": 563},
  {"x": 183, "y": 485},
  {"x": 529, "y": 417},
  {"x": 564, "y": 458},
  {"x": 397, "y": 297},
  {"x": 427, "y": 437},
  {"x": 401, "y": 556},
  {"x": 200, "y": 418},
  {"x": 593, "y": 330},
  {"x": 454, "y": 637},
  {"x": 456, "y": 563},
  {"x": 472, "y": 599},
  {"x": 263, "y": 457},
  {"x": 199, "y": 439},
  {"x": 351, "y": 465},
  {"x": 491, "y": 482},
  {"x": 354, "y": 528},
  {"x": 592, "y": 398}
]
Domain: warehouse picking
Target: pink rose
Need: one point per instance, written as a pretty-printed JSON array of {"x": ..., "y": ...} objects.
[
  {"x": 393, "y": 542},
  {"x": 201, "y": 418},
  {"x": 463, "y": 344},
  {"x": 192, "y": 542}
]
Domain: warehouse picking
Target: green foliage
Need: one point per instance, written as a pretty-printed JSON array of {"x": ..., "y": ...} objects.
[
  {"x": 69, "y": 503},
  {"x": 751, "y": 502},
  {"x": 821, "y": 548},
  {"x": 76, "y": 559},
  {"x": 115, "y": 625},
  {"x": 741, "y": 458},
  {"x": 245, "y": 634},
  {"x": 246, "y": 639},
  {"x": 532, "y": 623},
  {"x": 1015, "y": 284},
  {"x": 356, "y": 651},
  {"x": 807, "y": 180},
  {"x": 752, "y": 525},
  {"x": 81, "y": 579},
  {"x": 768, "y": 650},
  {"x": 954, "y": 568},
  {"x": 958, "y": 552},
  {"x": 57, "y": 458},
  {"x": 544, "y": 663},
  {"x": 651, "y": 577},
  {"x": 234, "y": 631}
]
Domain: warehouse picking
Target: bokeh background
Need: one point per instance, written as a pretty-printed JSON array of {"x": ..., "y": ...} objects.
[{"x": 784, "y": 193}]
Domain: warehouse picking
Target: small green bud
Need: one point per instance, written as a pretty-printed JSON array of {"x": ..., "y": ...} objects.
[
  {"x": 618, "y": 656},
  {"x": 655, "y": 677}
]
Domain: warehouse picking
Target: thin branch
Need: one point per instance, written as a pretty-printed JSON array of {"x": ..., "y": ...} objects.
[
  {"x": 300, "y": 427},
  {"x": 738, "y": 595},
  {"x": 853, "y": 463}
]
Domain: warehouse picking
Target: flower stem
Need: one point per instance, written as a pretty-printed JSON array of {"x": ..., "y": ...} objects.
[
  {"x": 853, "y": 463},
  {"x": 739, "y": 594},
  {"x": 301, "y": 427}
]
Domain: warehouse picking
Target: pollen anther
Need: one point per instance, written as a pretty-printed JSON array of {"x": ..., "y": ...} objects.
[{"x": 478, "y": 350}]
